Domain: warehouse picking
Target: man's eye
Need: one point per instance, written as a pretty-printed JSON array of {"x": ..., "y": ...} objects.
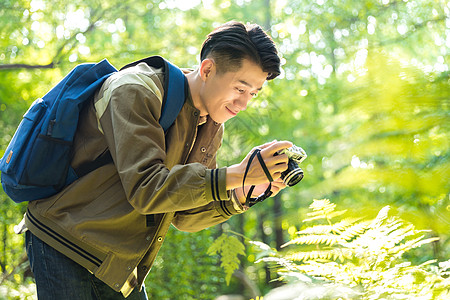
[
  {"x": 254, "y": 94},
  {"x": 240, "y": 90}
]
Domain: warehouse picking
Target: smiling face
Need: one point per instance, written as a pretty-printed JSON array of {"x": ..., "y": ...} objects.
[{"x": 223, "y": 95}]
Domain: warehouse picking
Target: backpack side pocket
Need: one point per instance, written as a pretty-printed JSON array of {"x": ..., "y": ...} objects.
[{"x": 14, "y": 160}]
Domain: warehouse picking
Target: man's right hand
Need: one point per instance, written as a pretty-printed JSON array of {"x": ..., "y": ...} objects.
[{"x": 256, "y": 175}]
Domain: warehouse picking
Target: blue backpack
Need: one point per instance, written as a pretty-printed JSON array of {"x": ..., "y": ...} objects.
[{"x": 36, "y": 163}]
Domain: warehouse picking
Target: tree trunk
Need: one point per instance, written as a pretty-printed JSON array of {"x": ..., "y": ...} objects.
[{"x": 277, "y": 217}]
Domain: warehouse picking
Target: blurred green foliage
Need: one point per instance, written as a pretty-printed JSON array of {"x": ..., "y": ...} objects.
[{"x": 364, "y": 90}]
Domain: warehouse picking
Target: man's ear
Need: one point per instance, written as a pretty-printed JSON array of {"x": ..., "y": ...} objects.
[{"x": 207, "y": 68}]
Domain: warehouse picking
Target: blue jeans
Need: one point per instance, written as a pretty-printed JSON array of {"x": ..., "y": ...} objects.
[{"x": 58, "y": 277}]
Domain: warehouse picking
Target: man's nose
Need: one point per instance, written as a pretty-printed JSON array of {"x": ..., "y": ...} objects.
[{"x": 242, "y": 101}]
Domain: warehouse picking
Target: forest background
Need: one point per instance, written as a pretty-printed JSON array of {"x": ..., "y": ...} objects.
[{"x": 364, "y": 90}]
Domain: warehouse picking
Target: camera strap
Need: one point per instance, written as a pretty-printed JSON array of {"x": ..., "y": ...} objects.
[{"x": 249, "y": 201}]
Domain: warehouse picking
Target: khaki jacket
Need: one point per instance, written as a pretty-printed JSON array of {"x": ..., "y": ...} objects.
[{"x": 100, "y": 220}]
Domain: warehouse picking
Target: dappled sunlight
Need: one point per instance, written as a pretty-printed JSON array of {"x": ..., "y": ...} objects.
[{"x": 397, "y": 130}]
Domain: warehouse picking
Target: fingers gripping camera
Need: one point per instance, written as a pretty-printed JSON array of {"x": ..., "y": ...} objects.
[{"x": 293, "y": 174}]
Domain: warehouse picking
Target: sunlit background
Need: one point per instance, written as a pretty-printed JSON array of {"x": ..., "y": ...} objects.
[{"x": 364, "y": 90}]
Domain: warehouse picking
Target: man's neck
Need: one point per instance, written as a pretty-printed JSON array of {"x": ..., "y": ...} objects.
[{"x": 195, "y": 82}]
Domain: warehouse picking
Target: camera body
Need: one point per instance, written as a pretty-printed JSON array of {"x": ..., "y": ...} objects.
[{"x": 293, "y": 174}]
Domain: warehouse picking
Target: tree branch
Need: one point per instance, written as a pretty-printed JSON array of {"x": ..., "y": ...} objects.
[
  {"x": 417, "y": 26},
  {"x": 59, "y": 52},
  {"x": 27, "y": 66}
]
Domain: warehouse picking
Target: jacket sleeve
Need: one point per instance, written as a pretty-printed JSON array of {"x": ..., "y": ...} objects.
[
  {"x": 211, "y": 214},
  {"x": 206, "y": 216},
  {"x": 128, "y": 110}
]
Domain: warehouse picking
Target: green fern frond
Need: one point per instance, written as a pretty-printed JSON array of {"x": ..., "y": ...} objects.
[
  {"x": 228, "y": 247},
  {"x": 344, "y": 224},
  {"x": 287, "y": 264},
  {"x": 381, "y": 216},
  {"x": 355, "y": 230},
  {"x": 262, "y": 246},
  {"x": 315, "y": 216},
  {"x": 264, "y": 249},
  {"x": 315, "y": 239},
  {"x": 445, "y": 269},
  {"x": 417, "y": 242},
  {"x": 387, "y": 235},
  {"x": 335, "y": 214},
  {"x": 317, "y": 229},
  {"x": 216, "y": 246},
  {"x": 327, "y": 255},
  {"x": 322, "y": 209},
  {"x": 337, "y": 228},
  {"x": 322, "y": 205},
  {"x": 367, "y": 254},
  {"x": 403, "y": 232}
]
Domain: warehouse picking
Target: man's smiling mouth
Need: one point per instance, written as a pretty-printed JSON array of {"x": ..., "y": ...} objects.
[{"x": 232, "y": 112}]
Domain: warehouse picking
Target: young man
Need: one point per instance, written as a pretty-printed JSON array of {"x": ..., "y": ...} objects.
[{"x": 98, "y": 238}]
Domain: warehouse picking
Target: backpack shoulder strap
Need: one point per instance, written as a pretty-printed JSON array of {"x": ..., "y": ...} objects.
[
  {"x": 175, "y": 91},
  {"x": 175, "y": 88}
]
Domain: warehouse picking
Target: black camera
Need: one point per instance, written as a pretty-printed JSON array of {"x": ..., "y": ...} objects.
[{"x": 293, "y": 174}]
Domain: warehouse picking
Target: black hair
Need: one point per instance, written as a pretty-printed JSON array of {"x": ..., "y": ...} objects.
[{"x": 232, "y": 42}]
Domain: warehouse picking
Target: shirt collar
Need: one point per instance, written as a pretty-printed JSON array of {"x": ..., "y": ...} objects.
[{"x": 202, "y": 120}]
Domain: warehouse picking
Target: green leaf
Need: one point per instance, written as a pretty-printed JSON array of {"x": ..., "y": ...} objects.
[{"x": 229, "y": 248}]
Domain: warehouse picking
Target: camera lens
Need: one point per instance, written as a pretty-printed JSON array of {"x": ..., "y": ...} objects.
[
  {"x": 293, "y": 173},
  {"x": 293, "y": 177}
]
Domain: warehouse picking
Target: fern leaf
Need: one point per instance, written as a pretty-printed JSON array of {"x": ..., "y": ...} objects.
[
  {"x": 264, "y": 249},
  {"x": 415, "y": 243},
  {"x": 344, "y": 224},
  {"x": 261, "y": 245},
  {"x": 322, "y": 205},
  {"x": 382, "y": 215},
  {"x": 228, "y": 247},
  {"x": 425, "y": 241},
  {"x": 316, "y": 216},
  {"x": 216, "y": 246},
  {"x": 335, "y": 255},
  {"x": 325, "y": 255},
  {"x": 315, "y": 239},
  {"x": 317, "y": 229},
  {"x": 321, "y": 209},
  {"x": 355, "y": 230},
  {"x": 325, "y": 214},
  {"x": 284, "y": 262},
  {"x": 335, "y": 214},
  {"x": 403, "y": 232}
]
